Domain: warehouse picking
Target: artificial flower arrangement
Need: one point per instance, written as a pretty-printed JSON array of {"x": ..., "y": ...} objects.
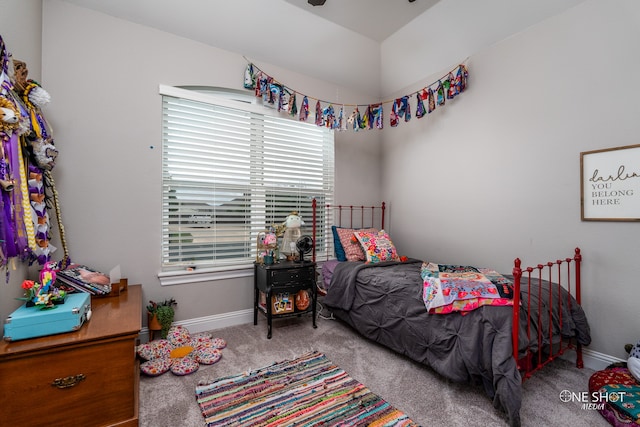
[
  {"x": 43, "y": 295},
  {"x": 267, "y": 246}
]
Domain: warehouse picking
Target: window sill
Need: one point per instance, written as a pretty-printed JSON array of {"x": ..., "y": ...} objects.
[{"x": 182, "y": 277}]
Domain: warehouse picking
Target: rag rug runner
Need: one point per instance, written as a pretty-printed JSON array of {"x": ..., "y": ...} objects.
[{"x": 306, "y": 391}]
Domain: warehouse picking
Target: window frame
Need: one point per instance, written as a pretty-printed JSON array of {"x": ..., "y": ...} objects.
[{"x": 227, "y": 98}]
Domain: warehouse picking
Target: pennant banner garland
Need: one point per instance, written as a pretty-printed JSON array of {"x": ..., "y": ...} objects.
[{"x": 283, "y": 97}]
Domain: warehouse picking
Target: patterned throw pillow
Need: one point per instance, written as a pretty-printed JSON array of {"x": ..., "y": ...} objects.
[
  {"x": 352, "y": 249},
  {"x": 337, "y": 246},
  {"x": 377, "y": 247},
  {"x": 181, "y": 352}
]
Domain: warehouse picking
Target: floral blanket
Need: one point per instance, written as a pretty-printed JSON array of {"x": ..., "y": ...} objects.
[{"x": 456, "y": 288}]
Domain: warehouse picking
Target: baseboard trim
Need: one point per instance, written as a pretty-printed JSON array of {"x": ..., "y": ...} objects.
[
  {"x": 598, "y": 361},
  {"x": 209, "y": 323},
  {"x": 592, "y": 359}
]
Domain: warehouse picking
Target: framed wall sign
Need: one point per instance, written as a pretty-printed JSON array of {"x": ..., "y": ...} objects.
[{"x": 610, "y": 184}]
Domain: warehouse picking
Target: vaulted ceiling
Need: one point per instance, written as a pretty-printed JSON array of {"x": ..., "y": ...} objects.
[
  {"x": 352, "y": 43},
  {"x": 376, "y": 19}
]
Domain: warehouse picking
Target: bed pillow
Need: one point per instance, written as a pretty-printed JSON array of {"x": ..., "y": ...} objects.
[
  {"x": 328, "y": 267},
  {"x": 377, "y": 247},
  {"x": 352, "y": 248},
  {"x": 337, "y": 246}
]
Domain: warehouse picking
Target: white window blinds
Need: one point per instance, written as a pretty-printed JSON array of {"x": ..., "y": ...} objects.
[{"x": 229, "y": 171}]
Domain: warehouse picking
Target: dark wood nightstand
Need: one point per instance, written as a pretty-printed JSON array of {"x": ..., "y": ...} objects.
[{"x": 286, "y": 277}]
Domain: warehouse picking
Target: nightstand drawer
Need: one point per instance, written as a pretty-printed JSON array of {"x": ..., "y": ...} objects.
[{"x": 293, "y": 275}]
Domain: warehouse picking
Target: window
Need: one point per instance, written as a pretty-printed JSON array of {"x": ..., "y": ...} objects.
[{"x": 230, "y": 168}]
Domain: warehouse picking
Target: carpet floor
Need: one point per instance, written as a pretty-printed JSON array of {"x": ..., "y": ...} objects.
[{"x": 426, "y": 397}]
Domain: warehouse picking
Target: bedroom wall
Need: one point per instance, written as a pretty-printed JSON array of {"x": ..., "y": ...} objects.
[
  {"x": 103, "y": 75},
  {"x": 495, "y": 174},
  {"x": 21, "y": 30}
]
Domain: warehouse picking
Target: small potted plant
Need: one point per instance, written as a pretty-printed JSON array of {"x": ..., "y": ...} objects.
[{"x": 161, "y": 315}]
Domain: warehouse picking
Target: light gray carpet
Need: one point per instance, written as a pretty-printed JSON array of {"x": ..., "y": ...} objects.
[{"x": 427, "y": 398}]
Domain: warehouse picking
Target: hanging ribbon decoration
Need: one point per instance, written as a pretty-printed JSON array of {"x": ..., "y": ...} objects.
[
  {"x": 435, "y": 94},
  {"x": 27, "y": 155}
]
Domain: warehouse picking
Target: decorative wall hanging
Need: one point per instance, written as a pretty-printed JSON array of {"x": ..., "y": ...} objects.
[
  {"x": 435, "y": 94},
  {"x": 27, "y": 156},
  {"x": 610, "y": 184}
]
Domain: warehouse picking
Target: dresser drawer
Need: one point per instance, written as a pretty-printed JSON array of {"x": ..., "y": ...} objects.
[
  {"x": 96, "y": 385},
  {"x": 294, "y": 275}
]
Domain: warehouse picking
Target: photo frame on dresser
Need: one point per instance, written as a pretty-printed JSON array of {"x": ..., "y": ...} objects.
[{"x": 610, "y": 184}]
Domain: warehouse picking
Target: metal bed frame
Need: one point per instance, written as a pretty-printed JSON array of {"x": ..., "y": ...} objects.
[{"x": 559, "y": 273}]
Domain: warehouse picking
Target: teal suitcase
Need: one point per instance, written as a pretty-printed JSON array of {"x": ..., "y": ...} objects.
[{"x": 31, "y": 322}]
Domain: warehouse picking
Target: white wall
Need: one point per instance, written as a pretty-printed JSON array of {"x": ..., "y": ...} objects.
[
  {"x": 21, "y": 31},
  {"x": 452, "y": 30},
  {"x": 103, "y": 75},
  {"x": 495, "y": 174}
]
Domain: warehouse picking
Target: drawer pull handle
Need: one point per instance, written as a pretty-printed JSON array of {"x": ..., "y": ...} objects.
[{"x": 67, "y": 382}]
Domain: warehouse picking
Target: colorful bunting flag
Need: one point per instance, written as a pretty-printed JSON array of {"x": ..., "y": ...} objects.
[
  {"x": 341, "y": 125},
  {"x": 273, "y": 92},
  {"x": 378, "y": 116},
  {"x": 329, "y": 117},
  {"x": 431, "y": 101},
  {"x": 406, "y": 108},
  {"x": 420, "y": 111},
  {"x": 367, "y": 119},
  {"x": 304, "y": 109},
  {"x": 293, "y": 108},
  {"x": 249, "y": 77},
  {"x": 440, "y": 93},
  {"x": 319, "y": 118},
  {"x": 354, "y": 120},
  {"x": 401, "y": 108},
  {"x": 393, "y": 118}
]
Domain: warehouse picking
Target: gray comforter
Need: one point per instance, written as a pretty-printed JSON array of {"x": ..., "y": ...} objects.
[{"x": 384, "y": 303}]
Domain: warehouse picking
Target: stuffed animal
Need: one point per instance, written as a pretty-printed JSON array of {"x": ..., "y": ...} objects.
[
  {"x": 293, "y": 220},
  {"x": 9, "y": 116},
  {"x": 633, "y": 364},
  {"x": 292, "y": 233},
  {"x": 43, "y": 153}
]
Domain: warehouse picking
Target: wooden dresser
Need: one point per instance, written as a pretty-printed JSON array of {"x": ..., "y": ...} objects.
[{"x": 89, "y": 377}]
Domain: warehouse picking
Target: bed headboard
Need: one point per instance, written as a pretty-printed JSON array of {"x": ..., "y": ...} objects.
[{"x": 351, "y": 216}]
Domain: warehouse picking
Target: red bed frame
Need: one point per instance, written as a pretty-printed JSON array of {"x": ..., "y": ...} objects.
[{"x": 558, "y": 272}]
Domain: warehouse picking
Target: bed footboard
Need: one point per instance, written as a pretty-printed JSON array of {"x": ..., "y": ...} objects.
[{"x": 559, "y": 274}]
